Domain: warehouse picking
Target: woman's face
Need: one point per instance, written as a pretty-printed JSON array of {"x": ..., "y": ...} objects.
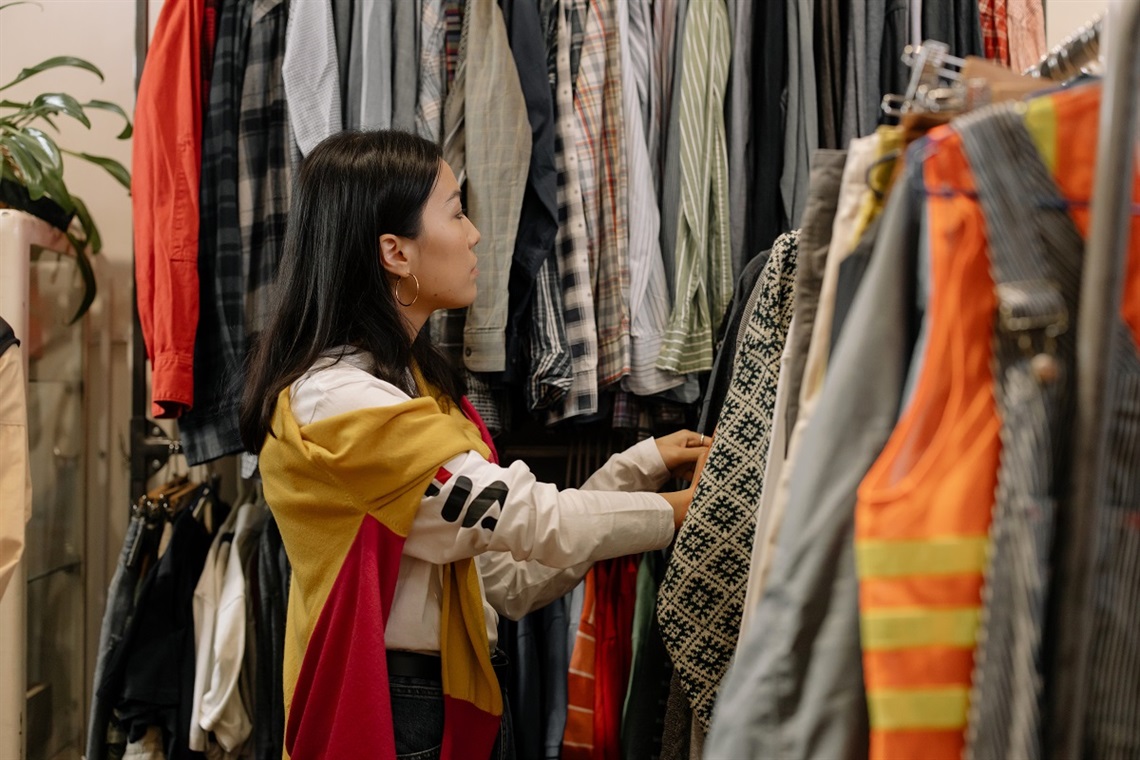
[{"x": 446, "y": 261}]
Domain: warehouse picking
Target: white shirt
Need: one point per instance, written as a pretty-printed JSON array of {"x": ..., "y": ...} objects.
[
  {"x": 207, "y": 594},
  {"x": 533, "y": 545},
  {"x": 311, "y": 73},
  {"x": 222, "y": 711}
]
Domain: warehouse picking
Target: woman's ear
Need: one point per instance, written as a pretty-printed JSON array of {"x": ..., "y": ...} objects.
[{"x": 394, "y": 255}]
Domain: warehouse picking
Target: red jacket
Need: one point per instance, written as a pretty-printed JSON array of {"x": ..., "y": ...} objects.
[{"x": 167, "y": 162}]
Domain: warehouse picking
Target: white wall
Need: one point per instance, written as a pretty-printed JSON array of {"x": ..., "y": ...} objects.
[
  {"x": 102, "y": 32},
  {"x": 1063, "y": 17}
]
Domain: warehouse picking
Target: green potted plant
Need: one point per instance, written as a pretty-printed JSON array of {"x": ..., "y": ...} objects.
[{"x": 32, "y": 162}]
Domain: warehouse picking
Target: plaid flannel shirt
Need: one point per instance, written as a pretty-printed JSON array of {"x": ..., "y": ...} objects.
[
  {"x": 995, "y": 29},
  {"x": 433, "y": 71},
  {"x": 572, "y": 243},
  {"x": 497, "y": 138},
  {"x": 1025, "y": 20},
  {"x": 550, "y": 375},
  {"x": 597, "y": 103},
  {"x": 209, "y": 430},
  {"x": 264, "y": 175}
]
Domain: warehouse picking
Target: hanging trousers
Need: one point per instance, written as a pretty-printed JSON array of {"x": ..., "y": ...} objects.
[{"x": 1035, "y": 258}]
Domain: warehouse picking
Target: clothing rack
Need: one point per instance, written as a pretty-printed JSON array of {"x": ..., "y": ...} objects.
[
  {"x": 1100, "y": 300},
  {"x": 1069, "y": 58}
]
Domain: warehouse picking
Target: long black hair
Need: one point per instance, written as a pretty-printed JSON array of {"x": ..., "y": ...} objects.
[{"x": 332, "y": 289}]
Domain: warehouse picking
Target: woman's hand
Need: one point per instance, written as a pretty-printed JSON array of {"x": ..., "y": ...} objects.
[
  {"x": 681, "y": 450},
  {"x": 680, "y": 500}
]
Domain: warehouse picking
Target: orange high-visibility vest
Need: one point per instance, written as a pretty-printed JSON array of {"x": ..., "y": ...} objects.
[{"x": 924, "y": 508}]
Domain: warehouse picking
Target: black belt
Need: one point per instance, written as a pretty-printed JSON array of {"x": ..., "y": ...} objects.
[{"x": 426, "y": 666}]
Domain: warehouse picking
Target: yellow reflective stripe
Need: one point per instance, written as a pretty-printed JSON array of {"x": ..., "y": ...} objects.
[
  {"x": 1041, "y": 121},
  {"x": 936, "y": 556},
  {"x": 903, "y": 628},
  {"x": 933, "y": 709}
]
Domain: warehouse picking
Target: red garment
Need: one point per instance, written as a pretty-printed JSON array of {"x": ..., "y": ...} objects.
[
  {"x": 995, "y": 29},
  {"x": 578, "y": 737},
  {"x": 616, "y": 589},
  {"x": 471, "y": 413},
  {"x": 167, "y": 162}
]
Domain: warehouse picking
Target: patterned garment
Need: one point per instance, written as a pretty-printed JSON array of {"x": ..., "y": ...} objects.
[
  {"x": 995, "y": 33},
  {"x": 1103, "y": 596},
  {"x": 701, "y": 598},
  {"x": 1035, "y": 258},
  {"x": 1025, "y": 20},
  {"x": 550, "y": 365},
  {"x": 602, "y": 177},
  {"x": 452, "y": 36},
  {"x": 264, "y": 176},
  {"x": 210, "y": 429},
  {"x": 589, "y": 86},
  {"x": 490, "y": 405},
  {"x": 703, "y": 286},
  {"x": 578, "y": 739},
  {"x": 612, "y": 286},
  {"x": 1114, "y": 659},
  {"x": 577, "y": 14},
  {"x": 447, "y": 324},
  {"x": 498, "y": 145},
  {"x": 433, "y": 71},
  {"x": 209, "y": 40},
  {"x": 571, "y": 246}
]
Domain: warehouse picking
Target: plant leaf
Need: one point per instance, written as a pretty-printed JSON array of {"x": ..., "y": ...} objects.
[
  {"x": 103, "y": 105},
  {"x": 24, "y": 111},
  {"x": 26, "y": 163},
  {"x": 54, "y": 63},
  {"x": 42, "y": 146},
  {"x": 112, "y": 167},
  {"x": 61, "y": 102},
  {"x": 88, "y": 275},
  {"x": 94, "y": 239},
  {"x": 20, "y": 2},
  {"x": 56, "y": 189}
]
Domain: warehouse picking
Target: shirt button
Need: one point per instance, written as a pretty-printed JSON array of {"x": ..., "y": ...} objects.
[{"x": 468, "y": 352}]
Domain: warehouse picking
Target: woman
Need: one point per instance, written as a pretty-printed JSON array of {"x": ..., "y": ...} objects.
[{"x": 406, "y": 543}]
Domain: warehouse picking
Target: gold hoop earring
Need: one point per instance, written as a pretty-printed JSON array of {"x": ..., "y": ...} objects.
[{"x": 396, "y": 292}]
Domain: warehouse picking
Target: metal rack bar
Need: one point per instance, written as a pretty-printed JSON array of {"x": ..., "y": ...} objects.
[
  {"x": 1101, "y": 292},
  {"x": 1072, "y": 55}
]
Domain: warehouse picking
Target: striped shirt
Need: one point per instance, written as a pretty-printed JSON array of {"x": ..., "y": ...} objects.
[
  {"x": 703, "y": 286},
  {"x": 648, "y": 297}
]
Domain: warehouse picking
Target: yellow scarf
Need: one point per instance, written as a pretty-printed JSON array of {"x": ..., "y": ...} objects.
[{"x": 345, "y": 491}]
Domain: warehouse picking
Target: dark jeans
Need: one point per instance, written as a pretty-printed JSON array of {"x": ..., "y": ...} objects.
[{"x": 417, "y": 717}]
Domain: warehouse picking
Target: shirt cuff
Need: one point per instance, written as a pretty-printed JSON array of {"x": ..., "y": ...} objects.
[
  {"x": 484, "y": 350},
  {"x": 172, "y": 383}
]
